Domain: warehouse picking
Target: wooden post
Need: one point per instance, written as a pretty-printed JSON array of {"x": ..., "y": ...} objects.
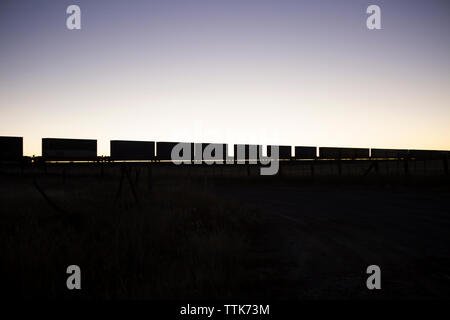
[
  {"x": 138, "y": 171},
  {"x": 149, "y": 177},
  {"x": 64, "y": 174},
  {"x": 122, "y": 176},
  {"x": 102, "y": 169},
  {"x": 445, "y": 160}
]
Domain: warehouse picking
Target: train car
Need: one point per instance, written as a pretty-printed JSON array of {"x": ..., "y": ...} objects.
[
  {"x": 284, "y": 152},
  {"x": 389, "y": 153},
  {"x": 164, "y": 150},
  {"x": 228, "y": 156},
  {"x": 343, "y": 153},
  {"x": 305, "y": 152},
  {"x": 247, "y": 152},
  {"x": 11, "y": 148},
  {"x": 69, "y": 149},
  {"x": 217, "y": 147},
  {"x": 428, "y": 154},
  {"x": 132, "y": 150},
  {"x": 253, "y": 152},
  {"x": 240, "y": 152}
]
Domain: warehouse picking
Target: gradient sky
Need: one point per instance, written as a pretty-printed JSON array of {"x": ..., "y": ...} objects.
[{"x": 232, "y": 71}]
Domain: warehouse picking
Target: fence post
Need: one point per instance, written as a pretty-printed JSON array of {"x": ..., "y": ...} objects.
[
  {"x": 149, "y": 177},
  {"x": 138, "y": 171},
  {"x": 102, "y": 169},
  {"x": 64, "y": 173},
  {"x": 122, "y": 176},
  {"x": 445, "y": 160}
]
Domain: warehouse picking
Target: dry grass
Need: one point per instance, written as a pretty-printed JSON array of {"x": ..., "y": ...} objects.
[{"x": 175, "y": 242}]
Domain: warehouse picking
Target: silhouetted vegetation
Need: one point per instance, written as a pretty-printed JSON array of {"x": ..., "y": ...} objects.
[
  {"x": 158, "y": 231},
  {"x": 173, "y": 241}
]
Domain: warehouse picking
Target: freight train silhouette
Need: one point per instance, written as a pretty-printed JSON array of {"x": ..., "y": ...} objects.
[{"x": 58, "y": 149}]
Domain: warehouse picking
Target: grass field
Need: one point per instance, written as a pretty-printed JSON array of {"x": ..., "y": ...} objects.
[
  {"x": 164, "y": 236},
  {"x": 173, "y": 241}
]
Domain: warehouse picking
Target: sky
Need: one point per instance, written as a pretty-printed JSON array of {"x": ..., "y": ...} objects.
[{"x": 305, "y": 73}]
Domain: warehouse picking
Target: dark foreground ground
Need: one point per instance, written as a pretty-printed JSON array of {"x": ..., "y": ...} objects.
[{"x": 163, "y": 236}]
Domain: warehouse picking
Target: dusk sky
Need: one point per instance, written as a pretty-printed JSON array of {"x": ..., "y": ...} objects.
[{"x": 233, "y": 71}]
